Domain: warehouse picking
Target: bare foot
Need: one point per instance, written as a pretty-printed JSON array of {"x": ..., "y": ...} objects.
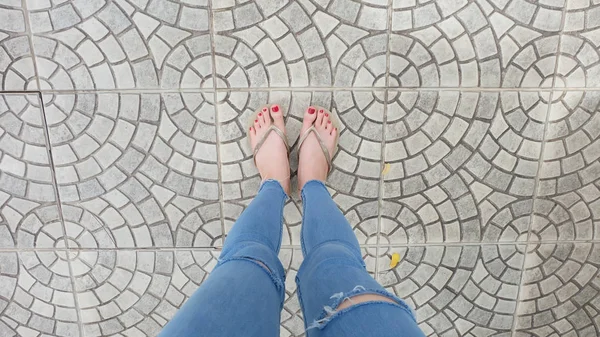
[
  {"x": 313, "y": 164},
  {"x": 272, "y": 157}
]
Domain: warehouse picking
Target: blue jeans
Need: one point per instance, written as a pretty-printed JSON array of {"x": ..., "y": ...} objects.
[{"x": 244, "y": 294}]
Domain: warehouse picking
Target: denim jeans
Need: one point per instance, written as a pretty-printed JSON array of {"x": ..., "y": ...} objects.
[{"x": 244, "y": 294}]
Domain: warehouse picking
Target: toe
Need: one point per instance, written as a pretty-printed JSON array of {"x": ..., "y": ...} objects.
[
  {"x": 266, "y": 114},
  {"x": 257, "y": 123},
  {"x": 278, "y": 118},
  {"x": 325, "y": 121},
  {"x": 334, "y": 132},
  {"x": 309, "y": 116},
  {"x": 320, "y": 115}
]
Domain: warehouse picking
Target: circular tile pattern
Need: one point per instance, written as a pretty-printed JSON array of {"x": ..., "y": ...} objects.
[
  {"x": 559, "y": 291},
  {"x": 457, "y": 290}
]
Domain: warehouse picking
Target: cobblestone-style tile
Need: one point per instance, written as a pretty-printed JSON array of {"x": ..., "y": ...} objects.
[
  {"x": 136, "y": 170},
  {"x": 461, "y": 166},
  {"x": 354, "y": 181},
  {"x": 457, "y": 291},
  {"x": 313, "y": 43},
  {"x": 474, "y": 43},
  {"x": 135, "y": 293},
  {"x": 110, "y": 44},
  {"x": 28, "y": 213},
  {"x": 579, "y": 60},
  {"x": 292, "y": 322},
  {"x": 569, "y": 207},
  {"x": 559, "y": 295},
  {"x": 16, "y": 62},
  {"x": 36, "y": 298}
]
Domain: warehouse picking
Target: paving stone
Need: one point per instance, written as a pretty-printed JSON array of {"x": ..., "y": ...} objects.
[
  {"x": 457, "y": 290},
  {"x": 461, "y": 166},
  {"x": 17, "y": 71},
  {"x": 560, "y": 291},
  {"x": 140, "y": 169}
]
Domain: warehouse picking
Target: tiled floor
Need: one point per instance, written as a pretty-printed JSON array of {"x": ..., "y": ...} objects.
[{"x": 470, "y": 145}]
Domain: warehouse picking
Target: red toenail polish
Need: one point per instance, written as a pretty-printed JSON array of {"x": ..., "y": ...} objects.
[
  {"x": 329, "y": 122},
  {"x": 321, "y": 111},
  {"x": 256, "y": 121},
  {"x": 326, "y": 115},
  {"x": 264, "y": 109},
  {"x": 311, "y": 110},
  {"x": 275, "y": 108},
  {"x": 260, "y": 114}
]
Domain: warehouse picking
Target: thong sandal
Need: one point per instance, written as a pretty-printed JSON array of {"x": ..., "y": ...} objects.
[
  {"x": 335, "y": 122},
  {"x": 262, "y": 139}
]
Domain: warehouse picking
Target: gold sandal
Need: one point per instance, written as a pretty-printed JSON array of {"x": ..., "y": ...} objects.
[{"x": 263, "y": 138}]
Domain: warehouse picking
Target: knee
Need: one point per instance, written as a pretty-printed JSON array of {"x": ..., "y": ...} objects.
[{"x": 362, "y": 298}]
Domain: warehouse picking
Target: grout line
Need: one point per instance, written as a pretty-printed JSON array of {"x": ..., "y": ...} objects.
[
  {"x": 211, "y": 29},
  {"x": 302, "y": 89},
  {"x": 537, "y": 176},
  {"x": 60, "y": 211},
  {"x": 381, "y": 191},
  {"x": 31, "y": 48}
]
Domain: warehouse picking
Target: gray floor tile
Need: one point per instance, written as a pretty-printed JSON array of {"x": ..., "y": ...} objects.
[
  {"x": 16, "y": 63},
  {"x": 36, "y": 295},
  {"x": 474, "y": 43},
  {"x": 122, "y": 44},
  {"x": 339, "y": 43},
  {"x": 125, "y": 293},
  {"x": 461, "y": 166},
  {"x": 457, "y": 290},
  {"x": 29, "y": 214},
  {"x": 580, "y": 46},
  {"x": 559, "y": 296},
  {"x": 354, "y": 180},
  {"x": 569, "y": 187},
  {"x": 136, "y": 170}
]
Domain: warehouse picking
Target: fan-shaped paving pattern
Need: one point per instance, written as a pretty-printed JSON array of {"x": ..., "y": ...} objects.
[
  {"x": 128, "y": 292},
  {"x": 457, "y": 291},
  {"x": 460, "y": 163},
  {"x": 468, "y": 44},
  {"x": 36, "y": 295},
  {"x": 122, "y": 45},
  {"x": 337, "y": 43},
  {"x": 560, "y": 290},
  {"x": 572, "y": 152}
]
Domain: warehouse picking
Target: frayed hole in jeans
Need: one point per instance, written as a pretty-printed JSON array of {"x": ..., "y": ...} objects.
[{"x": 343, "y": 301}]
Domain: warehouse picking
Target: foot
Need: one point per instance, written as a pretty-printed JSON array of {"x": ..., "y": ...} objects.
[
  {"x": 272, "y": 157},
  {"x": 313, "y": 164}
]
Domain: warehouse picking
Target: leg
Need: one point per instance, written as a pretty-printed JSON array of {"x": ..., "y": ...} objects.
[
  {"x": 244, "y": 295},
  {"x": 337, "y": 294},
  {"x": 247, "y": 285}
]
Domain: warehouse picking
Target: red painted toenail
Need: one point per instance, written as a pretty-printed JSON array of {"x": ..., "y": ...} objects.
[
  {"x": 326, "y": 115},
  {"x": 321, "y": 111},
  {"x": 329, "y": 122},
  {"x": 256, "y": 121},
  {"x": 260, "y": 114},
  {"x": 311, "y": 110},
  {"x": 264, "y": 109},
  {"x": 275, "y": 108}
]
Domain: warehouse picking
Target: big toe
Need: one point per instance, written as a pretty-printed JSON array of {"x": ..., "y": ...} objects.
[
  {"x": 277, "y": 116},
  {"x": 310, "y": 115}
]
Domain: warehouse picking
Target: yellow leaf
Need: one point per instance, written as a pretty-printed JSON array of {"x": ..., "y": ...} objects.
[
  {"x": 386, "y": 169},
  {"x": 395, "y": 260}
]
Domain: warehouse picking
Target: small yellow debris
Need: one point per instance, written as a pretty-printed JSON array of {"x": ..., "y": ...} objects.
[
  {"x": 395, "y": 260},
  {"x": 386, "y": 169}
]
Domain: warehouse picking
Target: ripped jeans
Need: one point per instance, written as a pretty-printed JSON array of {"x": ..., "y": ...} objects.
[{"x": 244, "y": 294}]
